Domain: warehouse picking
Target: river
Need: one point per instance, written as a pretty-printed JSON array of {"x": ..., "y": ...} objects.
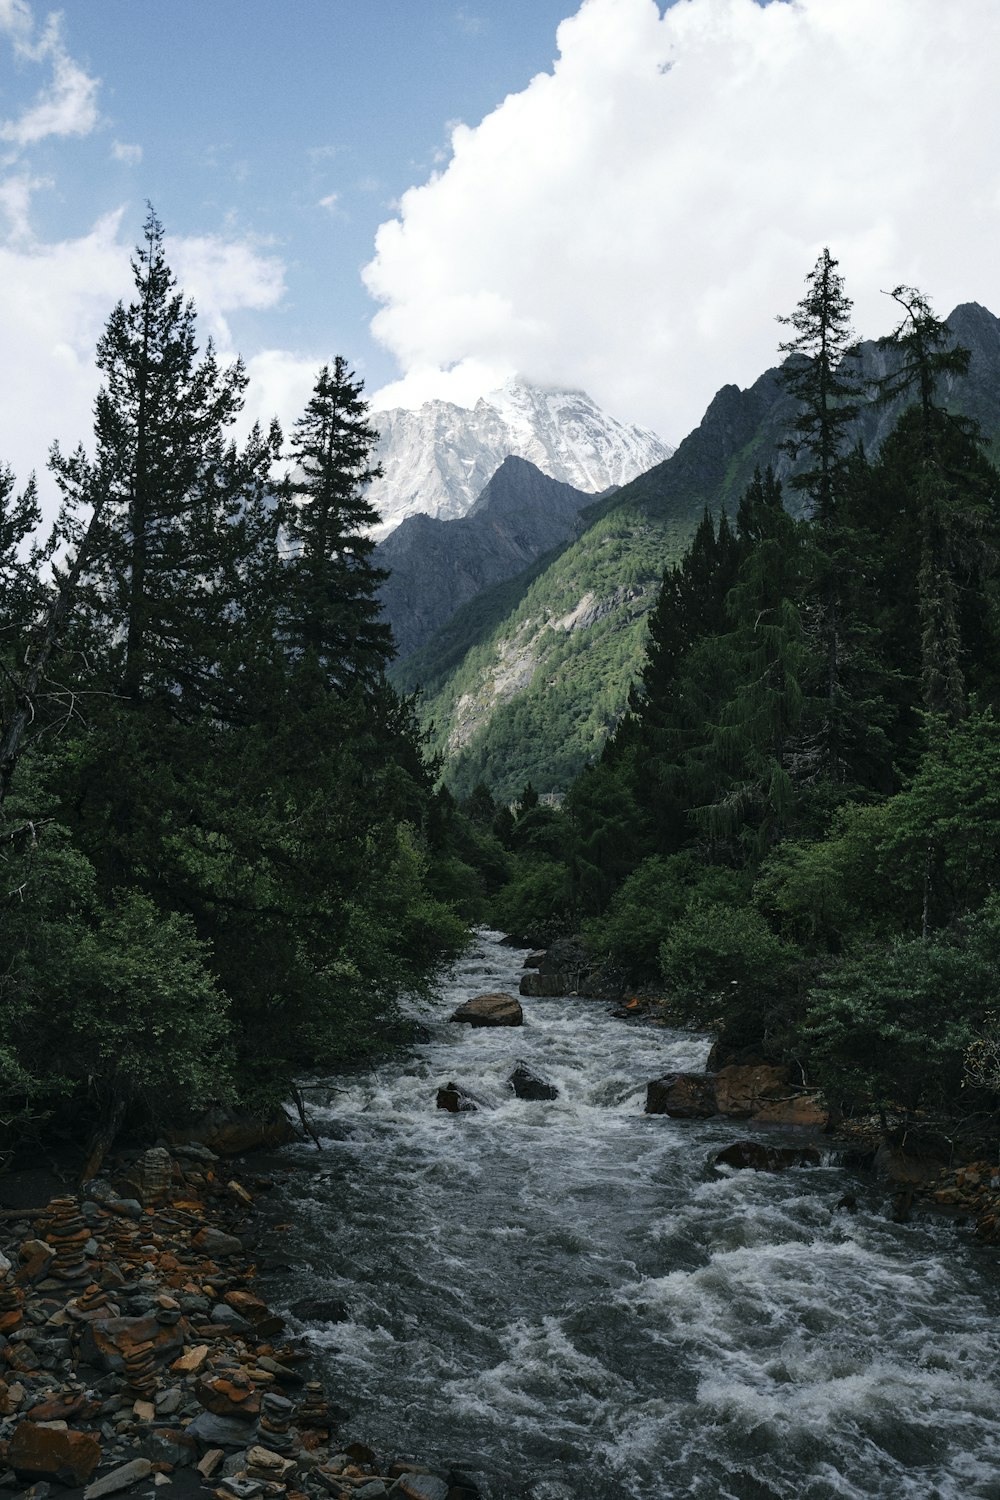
[{"x": 567, "y": 1300}]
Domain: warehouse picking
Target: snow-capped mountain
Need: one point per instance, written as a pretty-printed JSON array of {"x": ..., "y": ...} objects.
[{"x": 437, "y": 458}]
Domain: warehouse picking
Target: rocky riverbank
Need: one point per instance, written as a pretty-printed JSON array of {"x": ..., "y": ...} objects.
[{"x": 137, "y": 1359}]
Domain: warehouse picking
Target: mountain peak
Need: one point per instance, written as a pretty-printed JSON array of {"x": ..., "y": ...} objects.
[{"x": 437, "y": 458}]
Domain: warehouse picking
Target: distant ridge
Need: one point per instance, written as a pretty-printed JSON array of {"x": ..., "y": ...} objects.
[{"x": 435, "y": 566}]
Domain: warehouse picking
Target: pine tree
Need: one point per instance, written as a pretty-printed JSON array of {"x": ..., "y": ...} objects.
[
  {"x": 742, "y": 773},
  {"x": 953, "y": 511},
  {"x": 333, "y": 612},
  {"x": 822, "y": 381},
  {"x": 820, "y": 377},
  {"x": 182, "y": 509}
]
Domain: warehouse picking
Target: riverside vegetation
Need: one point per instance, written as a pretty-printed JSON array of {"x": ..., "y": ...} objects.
[
  {"x": 793, "y": 833},
  {"x": 218, "y": 833},
  {"x": 217, "y": 811}
]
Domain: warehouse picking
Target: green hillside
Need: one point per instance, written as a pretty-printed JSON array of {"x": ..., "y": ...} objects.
[{"x": 525, "y": 681}]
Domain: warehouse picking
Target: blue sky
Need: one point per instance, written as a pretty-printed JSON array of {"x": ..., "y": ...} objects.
[
  {"x": 603, "y": 193},
  {"x": 296, "y": 126}
]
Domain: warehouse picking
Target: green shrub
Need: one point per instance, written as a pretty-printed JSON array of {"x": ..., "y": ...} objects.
[{"x": 723, "y": 965}]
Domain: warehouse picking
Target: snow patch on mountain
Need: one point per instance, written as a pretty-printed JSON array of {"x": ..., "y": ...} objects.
[{"x": 437, "y": 457}]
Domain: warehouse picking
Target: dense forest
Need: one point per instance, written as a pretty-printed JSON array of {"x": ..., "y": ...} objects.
[
  {"x": 225, "y": 854},
  {"x": 793, "y": 832},
  {"x": 217, "y": 835}
]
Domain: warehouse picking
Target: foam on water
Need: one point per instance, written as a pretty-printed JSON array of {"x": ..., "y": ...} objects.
[{"x": 564, "y": 1297}]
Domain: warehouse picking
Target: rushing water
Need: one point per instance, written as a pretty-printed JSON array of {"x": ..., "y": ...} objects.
[{"x": 567, "y": 1300}]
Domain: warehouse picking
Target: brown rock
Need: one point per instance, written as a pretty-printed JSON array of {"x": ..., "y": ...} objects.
[
  {"x": 111, "y": 1343},
  {"x": 36, "y": 1257},
  {"x": 490, "y": 1010},
  {"x": 742, "y": 1089},
  {"x": 456, "y": 1100},
  {"x": 229, "y": 1398},
  {"x": 798, "y": 1109},
  {"x": 191, "y": 1361},
  {"x": 682, "y": 1096},
  {"x": 50, "y": 1453},
  {"x": 265, "y": 1323},
  {"x": 216, "y": 1242}
]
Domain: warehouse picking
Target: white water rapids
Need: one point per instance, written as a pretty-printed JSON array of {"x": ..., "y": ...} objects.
[{"x": 564, "y": 1299}]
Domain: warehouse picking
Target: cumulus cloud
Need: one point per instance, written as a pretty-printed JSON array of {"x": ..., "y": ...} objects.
[
  {"x": 57, "y": 300},
  {"x": 224, "y": 276},
  {"x": 632, "y": 221},
  {"x": 131, "y": 156},
  {"x": 67, "y": 104}
]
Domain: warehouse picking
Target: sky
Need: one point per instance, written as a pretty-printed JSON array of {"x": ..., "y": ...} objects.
[{"x": 617, "y": 195}]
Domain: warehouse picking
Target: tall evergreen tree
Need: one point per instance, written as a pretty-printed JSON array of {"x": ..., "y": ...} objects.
[
  {"x": 175, "y": 492},
  {"x": 956, "y": 513},
  {"x": 820, "y": 376},
  {"x": 333, "y": 612}
]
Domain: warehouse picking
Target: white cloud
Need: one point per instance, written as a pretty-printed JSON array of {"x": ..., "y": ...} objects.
[
  {"x": 16, "y": 192},
  {"x": 330, "y": 202},
  {"x": 131, "y": 156},
  {"x": 67, "y": 105},
  {"x": 224, "y": 276},
  {"x": 57, "y": 300},
  {"x": 632, "y": 221}
]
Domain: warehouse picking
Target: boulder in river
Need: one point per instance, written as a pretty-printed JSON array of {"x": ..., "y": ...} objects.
[
  {"x": 762, "y": 1158},
  {"x": 528, "y": 1085},
  {"x": 456, "y": 1100},
  {"x": 742, "y": 1088},
  {"x": 758, "y": 1091},
  {"x": 683, "y": 1096},
  {"x": 538, "y": 986},
  {"x": 490, "y": 1010}
]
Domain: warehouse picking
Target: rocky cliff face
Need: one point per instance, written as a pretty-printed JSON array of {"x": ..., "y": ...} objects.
[
  {"x": 438, "y": 458},
  {"x": 436, "y": 565}
]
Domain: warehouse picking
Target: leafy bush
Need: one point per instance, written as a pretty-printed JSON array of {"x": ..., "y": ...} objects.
[
  {"x": 535, "y": 906},
  {"x": 723, "y": 964},
  {"x": 895, "y": 1024},
  {"x": 646, "y": 906}
]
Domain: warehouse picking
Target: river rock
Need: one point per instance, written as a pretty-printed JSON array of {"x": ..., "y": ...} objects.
[
  {"x": 741, "y": 1089},
  {"x": 906, "y": 1168},
  {"x": 455, "y": 1100},
  {"x": 538, "y": 986},
  {"x": 211, "y": 1431},
  {"x": 534, "y": 960},
  {"x": 150, "y": 1175},
  {"x": 806, "y": 1110},
  {"x": 229, "y": 1132},
  {"x": 490, "y": 1010},
  {"x": 320, "y": 1310},
  {"x": 61, "y": 1454},
  {"x": 528, "y": 1085},
  {"x": 761, "y": 1158},
  {"x": 119, "y": 1479},
  {"x": 421, "y": 1487},
  {"x": 682, "y": 1096}
]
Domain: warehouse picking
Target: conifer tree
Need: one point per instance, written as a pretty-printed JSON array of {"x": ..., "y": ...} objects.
[
  {"x": 333, "y": 612},
  {"x": 822, "y": 381},
  {"x": 820, "y": 377},
  {"x": 179, "y": 502},
  {"x": 953, "y": 508}
]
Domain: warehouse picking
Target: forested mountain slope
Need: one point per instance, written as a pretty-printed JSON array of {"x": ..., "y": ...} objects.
[
  {"x": 435, "y": 566},
  {"x": 524, "y": 684}
]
